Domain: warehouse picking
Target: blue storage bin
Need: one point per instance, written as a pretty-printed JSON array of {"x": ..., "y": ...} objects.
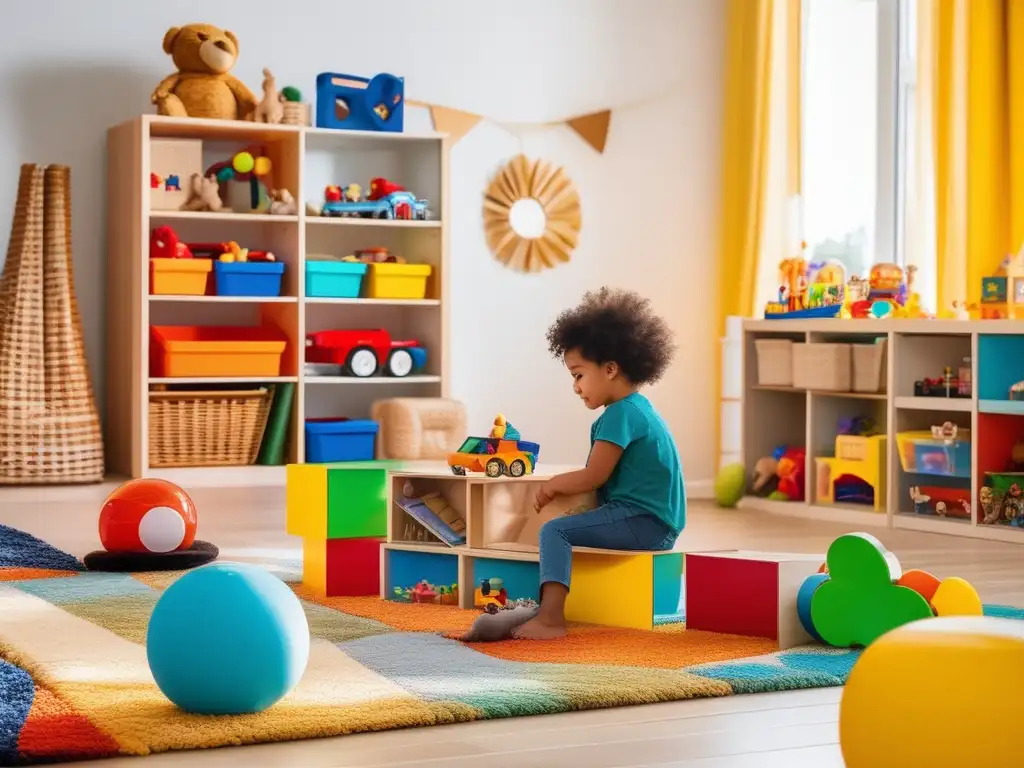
[
  {"x": 334, "y": 279},
  {"x": 922, "y": 454},
  {"x": 330, "y": 440},
  {"x": 248, "y": 278}
]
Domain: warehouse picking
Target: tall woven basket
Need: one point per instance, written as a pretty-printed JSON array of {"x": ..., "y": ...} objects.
[{"x": 49, "y": 428}]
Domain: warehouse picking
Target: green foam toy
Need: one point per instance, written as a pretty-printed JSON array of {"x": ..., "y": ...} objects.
[{"x": 859, "y": 602}]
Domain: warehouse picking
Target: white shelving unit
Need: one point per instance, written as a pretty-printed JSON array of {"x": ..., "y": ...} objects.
[
  {"x": 305, "y": 160},
  {"x": 917, "y": 349}
]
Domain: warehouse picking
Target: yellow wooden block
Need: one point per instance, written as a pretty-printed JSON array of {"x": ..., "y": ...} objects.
[
  {"x": 931, "y": 693},
  {"x": 614, "y": 590},
  {"x": 306, "y": 500},
  {"x": 314, "y": 564},
  {"x": 956, "y": 597}
]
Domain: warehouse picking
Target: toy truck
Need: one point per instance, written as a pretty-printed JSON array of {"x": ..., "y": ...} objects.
[
  {"x": 494, "y": 457},
  {"x": 363, "y": 352}
]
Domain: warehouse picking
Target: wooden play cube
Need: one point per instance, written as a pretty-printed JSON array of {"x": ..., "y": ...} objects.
[
  {"x": 748, "y": 593},
  {"x": 337, "y": 501},
  {"x": 342, "y": 567},
  {"x": 625, "y": 589}
]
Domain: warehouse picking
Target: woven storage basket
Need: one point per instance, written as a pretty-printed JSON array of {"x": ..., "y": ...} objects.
[
  {"x": 822, "y": 366},
  {"x": 869, "y": 372},
  {"x": 207, "y": 429},
  {"x": 296, "y": 113},
  {"x": 49, "y": 427},
  {"x": 774, "y": 362}
]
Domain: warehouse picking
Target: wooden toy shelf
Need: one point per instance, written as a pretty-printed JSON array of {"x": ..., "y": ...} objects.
[
  {"x": 780, "y": 414},
  {"x": 304, "y": 161},
  {"x": 501, "y": 531}
]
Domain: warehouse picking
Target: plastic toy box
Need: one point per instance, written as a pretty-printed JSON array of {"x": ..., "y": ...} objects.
[
  {"x": 248, "y": 278},
  {"x": 923, "y": 454},
  {"x": 329, "y": 440},
  {"x": 228, "y": 351},
  {"x": 398, "y": 281},
  {"x": 178, "y": 277},
  {"x": 334, "y": 279}
]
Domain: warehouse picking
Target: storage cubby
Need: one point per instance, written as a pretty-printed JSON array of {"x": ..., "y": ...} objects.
[
  {"x": 847, "y": 459},
  {"x": 502, "y": 515},
  {"x": 443, "y": 497},
  {"x": 150, "y": 162},
  {"x": 964, "y": 372}
]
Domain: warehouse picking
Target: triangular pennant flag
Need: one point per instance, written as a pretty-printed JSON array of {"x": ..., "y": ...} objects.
[
  {"x": 592, "y": 128},
  {"x": 453, "y": 122}
]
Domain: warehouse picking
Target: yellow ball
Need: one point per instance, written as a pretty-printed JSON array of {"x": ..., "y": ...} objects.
[
  {"x": 262, "y": 166},
  {"x": 242, "y": 162},
  {"x": 931, "y": 693}
]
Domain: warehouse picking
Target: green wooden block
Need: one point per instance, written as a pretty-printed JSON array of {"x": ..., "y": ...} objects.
[{"x": 357, "y": 502}]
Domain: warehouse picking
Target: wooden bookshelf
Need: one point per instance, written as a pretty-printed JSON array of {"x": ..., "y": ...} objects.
[
  {"x": 305, "y": 160},
  {"x": 917, "y": 349}
]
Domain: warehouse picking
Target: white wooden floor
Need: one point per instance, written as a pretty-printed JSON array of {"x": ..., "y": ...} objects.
[{"x": 781, "y": 730}]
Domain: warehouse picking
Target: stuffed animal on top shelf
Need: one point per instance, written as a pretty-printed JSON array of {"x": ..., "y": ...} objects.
[{"x": 203, "y": 86}]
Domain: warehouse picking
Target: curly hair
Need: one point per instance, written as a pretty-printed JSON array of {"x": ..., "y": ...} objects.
[{"x": 615, "y": 326}]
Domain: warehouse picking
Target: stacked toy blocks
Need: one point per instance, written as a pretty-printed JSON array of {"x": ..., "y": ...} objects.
[
  {"x": 634, "y": 590},
  {"x": 340, "y": 511},
  {"x": 748, "y": 593}
]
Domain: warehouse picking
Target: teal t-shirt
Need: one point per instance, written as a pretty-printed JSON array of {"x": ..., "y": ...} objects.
[{"x": 649, "y": 475}]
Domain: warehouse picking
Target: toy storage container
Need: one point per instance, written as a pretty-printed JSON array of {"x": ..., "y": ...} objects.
[
  {"x": 334, "y": 279},
  {"x": 774, "y": 362},
  {"x": 329, "y": 440},
  {"x": 248, "y": 278},
  {"x": 869, "y": 370},
  {"x": 207, "y": 429},
  {"x": 822, "y": 366},
  {"x": 398, "y": 281},
  {"x": 923, "y": 454},
  {"x": 228, "y": 351},
  {"x": 178, "y": 277}
]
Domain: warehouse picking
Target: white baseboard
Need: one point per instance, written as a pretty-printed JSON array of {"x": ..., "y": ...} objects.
[{"x": 700, "y": 489}]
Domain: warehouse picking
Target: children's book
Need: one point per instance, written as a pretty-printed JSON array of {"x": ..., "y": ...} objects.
[{"x": 437, "y": 516}]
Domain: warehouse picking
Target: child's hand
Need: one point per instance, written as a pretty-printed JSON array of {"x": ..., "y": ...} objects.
[{"x": 543, "y": 497}]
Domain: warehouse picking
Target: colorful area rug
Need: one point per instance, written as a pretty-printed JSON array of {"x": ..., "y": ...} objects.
[{"x": 74, "y": 682}]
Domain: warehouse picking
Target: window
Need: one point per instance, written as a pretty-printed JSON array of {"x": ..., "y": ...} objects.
[{"x": 859, "y": 69}]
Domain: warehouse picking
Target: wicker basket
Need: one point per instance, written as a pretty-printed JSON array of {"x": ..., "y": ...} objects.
[
  {"x": 48, "y": 419},
  {"x": 296, "y": 113},
  {"x": 869, "y": 373},
  {"x": 822, "y": 366},
  {"x": 207, "y": 429},
  {"x": 774, "y": 362}
]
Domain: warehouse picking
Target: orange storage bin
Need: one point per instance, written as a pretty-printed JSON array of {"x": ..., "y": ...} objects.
[
  {"x": 179, "y": 277},
  {"x": 223, "y": 351},
  {"x": 397, "y": 281}
]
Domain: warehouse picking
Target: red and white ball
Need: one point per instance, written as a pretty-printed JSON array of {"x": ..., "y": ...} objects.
[{"x": 148, "y": 515}]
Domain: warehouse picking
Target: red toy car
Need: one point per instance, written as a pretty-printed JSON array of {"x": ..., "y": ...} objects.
[{"x": 362, "y": 352}]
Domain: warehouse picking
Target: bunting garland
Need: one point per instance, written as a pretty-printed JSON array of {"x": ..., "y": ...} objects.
[{"x": 592, "y": 128}]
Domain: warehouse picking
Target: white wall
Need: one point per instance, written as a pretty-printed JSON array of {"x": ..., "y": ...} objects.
[{"x": 69, "y": 69}]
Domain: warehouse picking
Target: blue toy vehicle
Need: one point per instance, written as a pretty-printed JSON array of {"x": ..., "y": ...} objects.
[{"x": 397, "y": 205}]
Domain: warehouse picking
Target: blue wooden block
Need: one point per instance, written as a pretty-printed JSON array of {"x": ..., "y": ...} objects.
[
  {"x": 803, "y": 602},
  {"x": 349, "y": 102}
]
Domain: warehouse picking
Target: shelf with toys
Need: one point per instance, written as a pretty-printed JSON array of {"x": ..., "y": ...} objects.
[
  {"x": 233, "y": 299},
  {"x": 897, "y": 422}
]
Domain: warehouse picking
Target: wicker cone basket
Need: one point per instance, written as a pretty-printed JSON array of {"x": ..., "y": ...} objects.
[{"x": 49, "y": 427}]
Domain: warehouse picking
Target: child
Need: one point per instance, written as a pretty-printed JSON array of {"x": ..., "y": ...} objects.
[{"x": 612, "y": 345}]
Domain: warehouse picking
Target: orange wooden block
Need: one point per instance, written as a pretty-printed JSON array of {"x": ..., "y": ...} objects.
[{"x": 921, "y": 582}]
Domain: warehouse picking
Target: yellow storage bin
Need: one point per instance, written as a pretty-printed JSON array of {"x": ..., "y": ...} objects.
[
  {"x": 179, "y": 277},
  {"x": 397, "y": 281}
]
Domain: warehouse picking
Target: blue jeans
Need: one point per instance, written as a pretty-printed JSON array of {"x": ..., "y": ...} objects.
[{"x": 610, "y": 526}]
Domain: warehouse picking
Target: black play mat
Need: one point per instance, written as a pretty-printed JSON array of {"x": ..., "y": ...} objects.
[{"x": 200, "y": 553}]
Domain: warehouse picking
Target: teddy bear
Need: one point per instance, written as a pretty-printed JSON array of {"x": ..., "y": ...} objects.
[
  {"x": 203, "y": 85},
  {"x": 203, "y": 194}
]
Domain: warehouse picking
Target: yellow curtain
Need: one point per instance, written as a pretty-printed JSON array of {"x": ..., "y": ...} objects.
[
  {"x": 745, "y": 154},
  {"x": 974, "y": 50}
]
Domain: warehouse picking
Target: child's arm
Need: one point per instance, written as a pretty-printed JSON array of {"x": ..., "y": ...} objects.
[{"x": 603, "y": 458}]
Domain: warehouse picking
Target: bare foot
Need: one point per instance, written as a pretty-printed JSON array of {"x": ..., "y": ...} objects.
[{"x": 535, "y": 629}]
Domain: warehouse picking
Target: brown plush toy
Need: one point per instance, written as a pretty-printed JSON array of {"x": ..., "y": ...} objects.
[{"x": 203, "y": 85}]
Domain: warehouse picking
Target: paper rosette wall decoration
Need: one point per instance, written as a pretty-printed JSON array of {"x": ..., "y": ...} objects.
[{"x": 551, "y": 191}]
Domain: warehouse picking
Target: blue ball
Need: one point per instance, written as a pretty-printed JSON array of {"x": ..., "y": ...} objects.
[{"x": 227, "y": 639}]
